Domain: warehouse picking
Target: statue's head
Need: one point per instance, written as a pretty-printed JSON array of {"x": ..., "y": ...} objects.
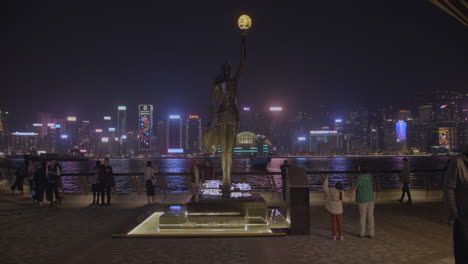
[{"x": 226, "y": 69}]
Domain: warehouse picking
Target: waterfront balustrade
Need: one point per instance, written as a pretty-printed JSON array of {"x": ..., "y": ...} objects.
[{"x": 260, "y": 181}]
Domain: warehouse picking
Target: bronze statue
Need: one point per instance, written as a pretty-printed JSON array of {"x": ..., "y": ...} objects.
[{"x": 224, "y": 131}]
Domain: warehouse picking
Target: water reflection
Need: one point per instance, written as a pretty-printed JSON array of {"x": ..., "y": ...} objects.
[{"x": 313, "y": 164}]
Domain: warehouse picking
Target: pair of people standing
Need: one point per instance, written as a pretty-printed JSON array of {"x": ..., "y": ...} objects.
[
  {"x": 103, "y": 183},
  {"x": 364, "y": 197},
  {"x": 150, "y": 180}
]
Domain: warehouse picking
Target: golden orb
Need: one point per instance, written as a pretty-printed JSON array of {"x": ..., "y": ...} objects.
[{"x": 244, "y": 22}]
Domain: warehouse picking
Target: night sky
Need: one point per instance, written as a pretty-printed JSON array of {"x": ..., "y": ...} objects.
[{"x": 89, "y": 56}]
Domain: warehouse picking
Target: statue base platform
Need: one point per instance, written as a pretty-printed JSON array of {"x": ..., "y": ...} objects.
[{"x": 214, "y": 215}]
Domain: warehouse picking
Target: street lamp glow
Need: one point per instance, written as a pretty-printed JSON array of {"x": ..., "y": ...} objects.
[{"x": 244, "y": 22}]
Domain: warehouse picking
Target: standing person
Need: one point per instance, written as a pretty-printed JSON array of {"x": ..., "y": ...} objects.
[
  {"x": 95, "y": 185},
  {"x": 150, "y": 181},
  {"x": 53, "y": 180},
  {"x": 405, "y": 181},
  {"x": 195, "y": 180},
  {"x": 284, "y": 183},
  {"x": 30, "y": 177},
  {"x": 208, "y": 171},
  {"x": 365, "y": 199},
  {"x": 107, "y": 181},
  {"x": 334, "y": 205},
  {"x": 40, "y": 182},
  {"x": 21, "y": 174},
  {"x": 456, "y": 198}
]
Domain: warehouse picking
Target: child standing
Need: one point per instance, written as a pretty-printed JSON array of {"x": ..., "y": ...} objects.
[{"x": 334, "y": 205}]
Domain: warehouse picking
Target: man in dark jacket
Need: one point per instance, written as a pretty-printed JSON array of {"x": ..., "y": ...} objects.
[
  {"x": 40, "y": 182},
  {"x": 456, "y": 198},
  {"x": 106, "y": 179}
]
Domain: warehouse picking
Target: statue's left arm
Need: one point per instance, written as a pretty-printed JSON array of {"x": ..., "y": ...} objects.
[{"x": 240, "y": 68}]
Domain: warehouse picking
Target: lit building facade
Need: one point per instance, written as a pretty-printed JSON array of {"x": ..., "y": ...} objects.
[
  {"x": 145, "y": 126},
  {"x": 122, "y": 128},
  {"x": 174, "y": 134},
  {"x": 193, "y": 134}
]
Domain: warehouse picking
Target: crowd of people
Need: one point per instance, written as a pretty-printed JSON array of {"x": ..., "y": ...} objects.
[{"x": 43, "y": 178}]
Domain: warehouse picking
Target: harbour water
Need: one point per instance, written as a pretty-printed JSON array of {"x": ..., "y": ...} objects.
[{"x": 310, "y": 164}]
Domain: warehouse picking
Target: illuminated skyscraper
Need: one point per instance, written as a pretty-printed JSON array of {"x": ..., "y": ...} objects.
[
  {"x": 122, "y": 128},
  {"x": 174, "y": 134},
  {"x": 145, "y": 126},
  {"x": 193, "y": 134}
]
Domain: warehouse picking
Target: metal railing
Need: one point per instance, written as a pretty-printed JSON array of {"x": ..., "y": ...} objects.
[{"x": 260, "y": 181}]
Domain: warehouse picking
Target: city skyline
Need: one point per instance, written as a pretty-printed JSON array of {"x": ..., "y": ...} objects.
[
  {"x": 438, "y": 123},
  {"x": 302, "y": 57}
]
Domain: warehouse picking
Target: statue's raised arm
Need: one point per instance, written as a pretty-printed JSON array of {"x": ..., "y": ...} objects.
[{"x": 243, "y": 55}]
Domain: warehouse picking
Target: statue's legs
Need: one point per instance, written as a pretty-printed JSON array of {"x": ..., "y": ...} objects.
[{"x": 228, "y": 133}]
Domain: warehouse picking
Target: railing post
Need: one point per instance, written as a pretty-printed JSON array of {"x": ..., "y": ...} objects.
[
  {"x": 136, "y": 184},
  {"x": 427, "y": 185},
  {"x": 83, "y": 185}
]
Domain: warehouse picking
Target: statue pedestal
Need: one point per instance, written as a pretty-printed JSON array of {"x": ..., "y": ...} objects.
[
  {"x": 241, "y": 214},
  {"x": 298, "y": 198}
]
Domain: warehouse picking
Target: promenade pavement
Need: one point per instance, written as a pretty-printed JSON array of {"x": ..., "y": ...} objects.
[{"x": 82, "y": 234}]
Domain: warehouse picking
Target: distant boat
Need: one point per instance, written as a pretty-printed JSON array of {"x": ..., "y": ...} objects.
[{"x": 258, "y": 162}]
